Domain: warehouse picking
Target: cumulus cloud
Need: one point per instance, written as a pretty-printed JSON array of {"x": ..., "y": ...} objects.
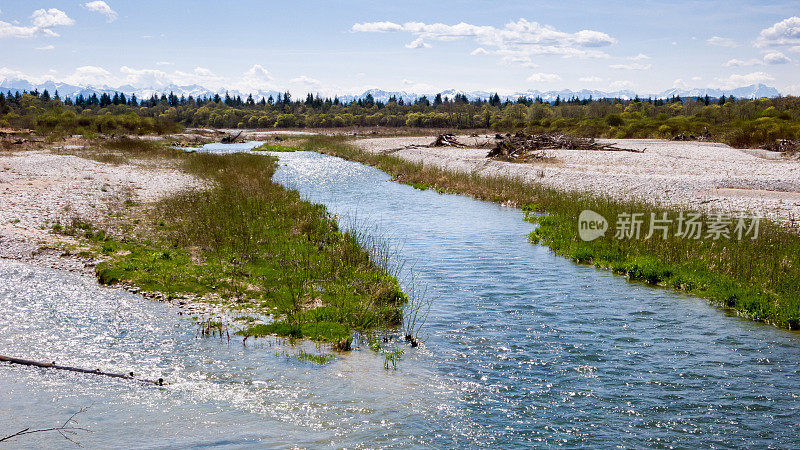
[
  {"x": 776, "y": 58},
  {"x": 792, "y": 90},
  {"x": 46, "y": 48},
  {"x": 544, "y": 77},
  {"x": 42, "y": 20},
  {"x": 479, "y": 51},
  {"x": 639, "y": 57},
  {"x": 418, "y": 43},
  {"x": 102, "y": 7},
  {"x": 90, "y": 76},
  {"x": 742, "y": 80},
  {"x": 590, "y": 79},
  {"x": 741, "y": 63},
  {"x": 164, "y": 63},
  {"x": 50, "y": 18},
  {"x": 305, "y": 81},
  {"x": 722, "y": 42},
  {"x": 257, "y": 78},
  {"x": 521, "y": 38},
  {"x": 772, "y": 58},
  {"x": 785, "y": 32},
  {"x": 632, "y": 66}
]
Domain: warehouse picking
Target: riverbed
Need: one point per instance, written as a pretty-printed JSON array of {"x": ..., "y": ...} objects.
[{"x": 520, "y": 347}]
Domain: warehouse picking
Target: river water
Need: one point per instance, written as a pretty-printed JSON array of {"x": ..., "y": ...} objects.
[{"x": 520, "y": 348}]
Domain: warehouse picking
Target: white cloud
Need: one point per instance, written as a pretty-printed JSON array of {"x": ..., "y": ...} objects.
[
  {"x": 90, "y": 76},
  {"x": 164, "y": 63},
  {"x": 144, "y": 77},
  {"x": 722, "y": 42},
  {"x": 590, "y": 79},
  {"x": 740, "y": 63},
  {"x": 376, "y": 27},
  {"x": 776, "y": 58},
  {"x": 102, "y": 7},
  {"x": 785, "y": 32},
  {"x": 680, "y": 84},
  {"x": 256, "y": 78},
  {"x": 792, "y": 90},
  {"x": 771, "y": 58},
  {"x": 522, "y": 38},
  {"x": 41, "y": 23},
  {"x": 45, "y": 48},
  {"x": 544, "y": 77},
  {"x": 50, "y": 18},
  {"x": 621, "y": 85},
  {"x": 520, "y": 60},
  {"x": 734, "y": 81},
  {"x": 418, "y": 43},
  {"x": 639, "y": 57},
  {"x": 697, "y": 78},
  {"x": 795, "y": 49},
  {"x": 305, "y": 81},
  {"x": 7, "y": 74},
  {"x": 479, "y": 51},
  {"x": 632, "y": 66}
]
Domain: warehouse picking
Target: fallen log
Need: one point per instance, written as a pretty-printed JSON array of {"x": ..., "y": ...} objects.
[{"x": 53, "y": 365}]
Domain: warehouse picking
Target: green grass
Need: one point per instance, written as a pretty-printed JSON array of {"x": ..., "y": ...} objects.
[
  {"x": 274, "y": 148},
  {"x": 317, "y": 359},
  {"x": 250, "y": 244},
  {"x": 758, "y": 278}
]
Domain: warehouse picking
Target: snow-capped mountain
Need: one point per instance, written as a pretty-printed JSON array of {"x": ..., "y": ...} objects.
[{"x": 194, "y": 90}]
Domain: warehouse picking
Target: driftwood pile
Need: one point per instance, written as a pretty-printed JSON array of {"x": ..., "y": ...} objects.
[
  {"x": 231, "y": 139},
  {"x": 446, "y": 140},
  {"x": 522, "y": 147},
  {"x": 784, "y": 146}
]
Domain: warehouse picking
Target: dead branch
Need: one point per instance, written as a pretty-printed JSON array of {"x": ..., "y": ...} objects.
[
  {"x": 53, "y": 365},
  {"x": 66, "y": 430}
]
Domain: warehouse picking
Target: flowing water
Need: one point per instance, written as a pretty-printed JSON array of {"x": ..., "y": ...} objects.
[{"x": 520, "y": 348}]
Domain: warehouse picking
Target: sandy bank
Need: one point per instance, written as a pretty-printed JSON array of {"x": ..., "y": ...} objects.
[{"x": 699, "y": 175}]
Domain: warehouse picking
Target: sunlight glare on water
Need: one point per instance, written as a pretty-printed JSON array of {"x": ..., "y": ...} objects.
[{"x": 520, "y": 347}]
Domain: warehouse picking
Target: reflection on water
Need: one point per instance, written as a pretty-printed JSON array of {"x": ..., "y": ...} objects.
[{"x": 521, "y": 347}]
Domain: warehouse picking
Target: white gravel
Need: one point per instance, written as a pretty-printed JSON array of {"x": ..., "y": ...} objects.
[
  {"x": 697, "y": 175},
  {"x": 39, "y": 188}
]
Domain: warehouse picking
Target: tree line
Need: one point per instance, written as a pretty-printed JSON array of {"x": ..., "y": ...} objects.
[{"x": 740, "y": 122}]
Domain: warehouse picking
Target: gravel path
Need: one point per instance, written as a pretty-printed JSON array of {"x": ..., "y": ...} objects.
[
  {"x": 39, "y": 188},
  {"x": 699, "y": 175}
]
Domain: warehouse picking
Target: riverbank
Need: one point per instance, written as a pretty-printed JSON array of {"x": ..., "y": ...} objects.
[
  {"x": 705, "y": 175},
  {"x": 198, "y": 229},
  {"x": 755, "y": 277}
]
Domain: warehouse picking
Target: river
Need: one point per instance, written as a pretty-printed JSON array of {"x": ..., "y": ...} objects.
[{"x": 520, "y": 348}]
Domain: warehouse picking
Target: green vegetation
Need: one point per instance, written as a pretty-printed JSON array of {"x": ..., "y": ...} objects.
[
  {"x": 317, "y": 359},
  {"x": 265, "y": 147},
  {"x": 738, "y": 122},
  {"x": 758, "y": 278},
  {"x": 391, "y": 357},
  {"x": 250, "y": 244}
]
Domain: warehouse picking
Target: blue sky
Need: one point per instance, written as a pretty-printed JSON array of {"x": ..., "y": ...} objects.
[{"x": 421, "y": 46}]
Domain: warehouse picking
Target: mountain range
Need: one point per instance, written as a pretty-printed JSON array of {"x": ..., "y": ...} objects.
[{"x": 68, "y": 90}]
